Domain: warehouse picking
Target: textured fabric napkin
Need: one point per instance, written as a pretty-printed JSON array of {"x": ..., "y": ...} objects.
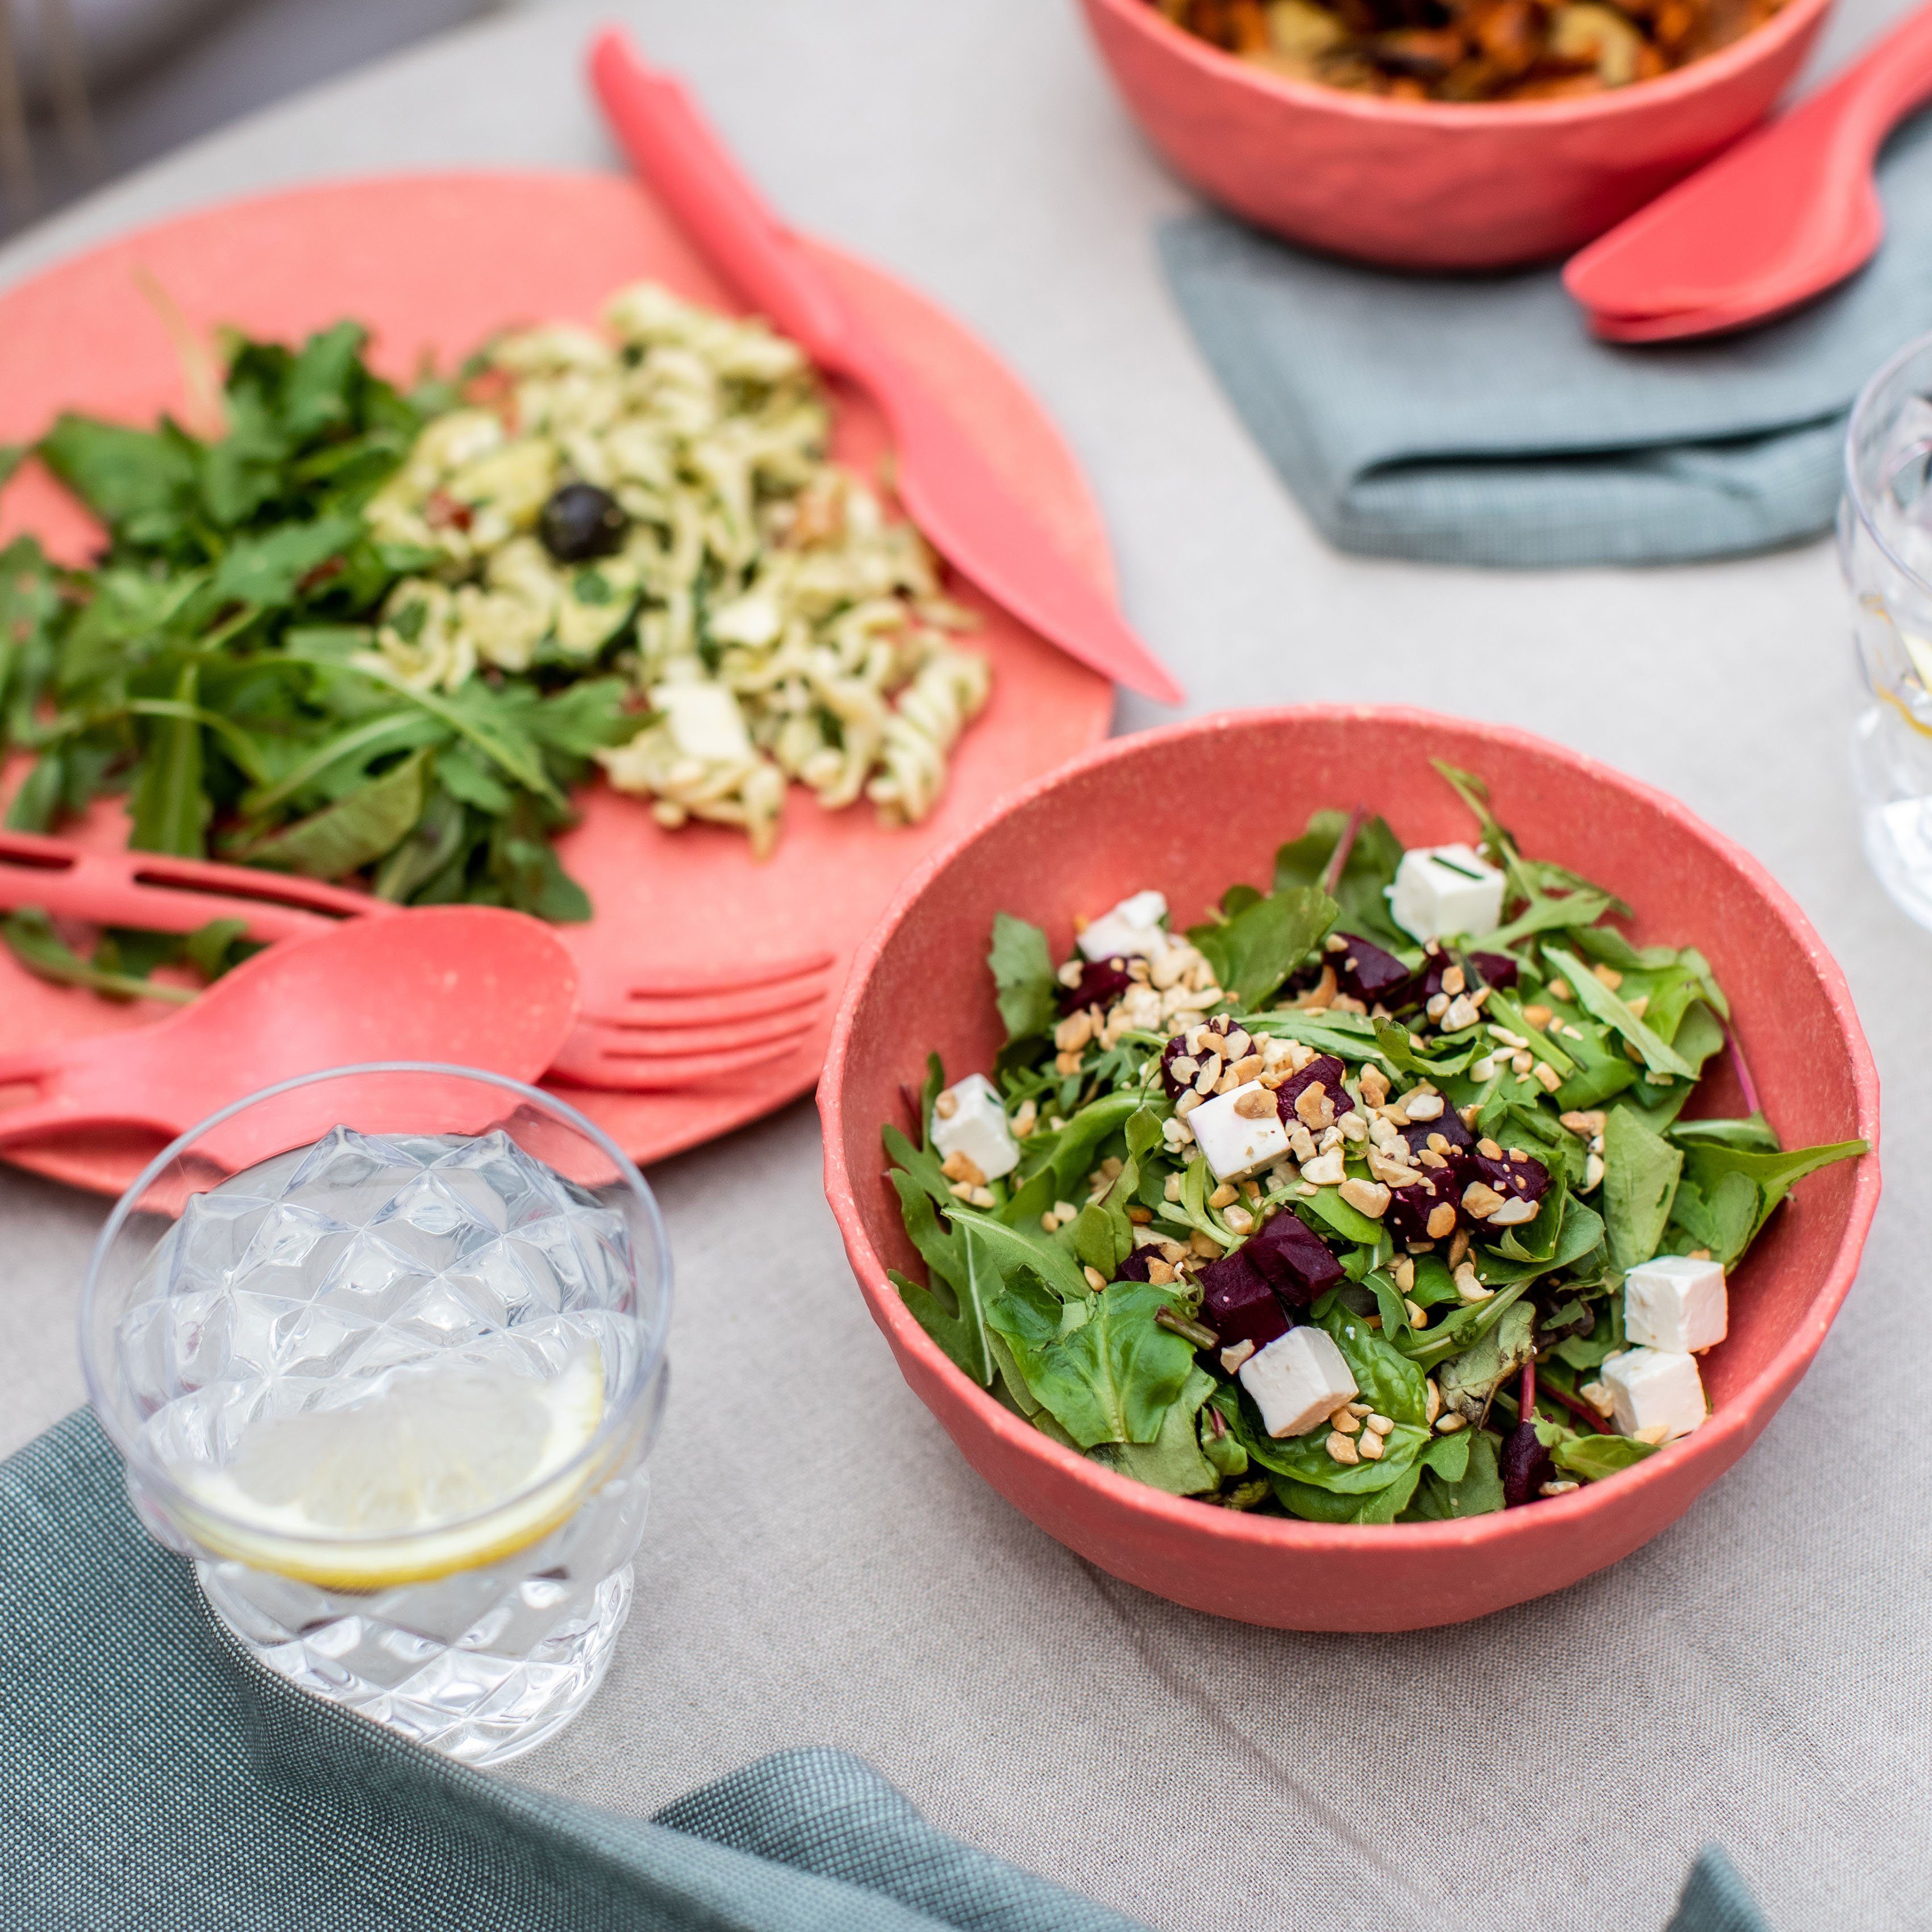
[
  {"x": 1471, "y": 419},
  {"x": 153, "y": 1778}
]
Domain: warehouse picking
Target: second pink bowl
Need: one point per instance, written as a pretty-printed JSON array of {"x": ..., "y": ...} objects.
[
  {"x": 1435, "y": 184},
  {"x": 1190, "y": 810}
]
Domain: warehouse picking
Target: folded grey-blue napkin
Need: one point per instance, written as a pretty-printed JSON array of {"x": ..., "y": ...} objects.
[
  {"x": 1472, "y": 419},
  {"x": 154, "y": 1778}
]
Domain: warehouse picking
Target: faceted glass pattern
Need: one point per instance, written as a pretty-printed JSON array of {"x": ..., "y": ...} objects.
[{"x": 302, "y": 1285}]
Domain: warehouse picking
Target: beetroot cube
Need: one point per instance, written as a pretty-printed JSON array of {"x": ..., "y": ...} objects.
[
  {"x": 1324, "y": 1067},
  {"x": 1370, "y": 974},
  {"x": 1238, "y": 1304},
  {"x": 1294, "y": 1258}
]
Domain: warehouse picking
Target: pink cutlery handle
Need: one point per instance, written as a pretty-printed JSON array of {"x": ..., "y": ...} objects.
[
  {"x": 161, "y": 894},
  {"x": 676, "y": 150},
  {"x": 59, "y": 1108},
  {"x": 1886, "y": 81}
]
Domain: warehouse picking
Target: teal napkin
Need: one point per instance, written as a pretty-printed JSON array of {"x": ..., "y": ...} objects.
[
  {"x": 1471, "y": 419},
  {"x": 153, "y": 1778}
]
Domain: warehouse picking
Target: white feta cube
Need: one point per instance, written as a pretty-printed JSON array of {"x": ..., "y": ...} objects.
[
  {"x": 1298, "y": 1381},
  {"x": 976, "y": 1127},
  {"x": 1235, "y": 1143},
  {"x": 1676, "y": 1303},
  {"x": 1655, "y": 1394},
  {"x": 705, "y": 722},
  {"x": 1132, "y": 930},
  {"x": 1442, "y": 890}
]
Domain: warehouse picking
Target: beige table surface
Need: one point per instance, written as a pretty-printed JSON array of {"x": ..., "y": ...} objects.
[{"x": 1758, "y": 1675}]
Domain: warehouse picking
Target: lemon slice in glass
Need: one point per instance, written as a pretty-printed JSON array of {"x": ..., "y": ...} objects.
[{"x": 445, "y": 1466}]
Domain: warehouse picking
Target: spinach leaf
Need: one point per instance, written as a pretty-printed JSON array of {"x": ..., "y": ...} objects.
[
  {"x": 1591, "y": 1458},
  {"x": 1773, "y": 1174},
  {"x": 1173, "y": 1461},
  {"x": 1256, "y": 949},
  {"x": 1024, "y": 985},
  {"x": 1469, "y": 1381},
  {"x": 1640, "y": 1171},
  {"x": 1361, "y": 893},
  {"x": 1476, "y": 1489},
  {"x": 1112, "y": 1378},
  {"x": 1390, "y": 1383},
  {"x": 1753, "y": 1135}
]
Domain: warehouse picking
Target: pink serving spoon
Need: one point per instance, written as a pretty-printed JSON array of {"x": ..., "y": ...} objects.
[
  {"x": 1779, "y": 218},
  {"x": 465, "y": 985},
  {"x": 968, "y": 515}
]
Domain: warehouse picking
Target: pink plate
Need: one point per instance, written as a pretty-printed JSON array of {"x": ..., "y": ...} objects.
[
  {"x": 434, "y": 264},
  {"x": 1077, "y": 842}
]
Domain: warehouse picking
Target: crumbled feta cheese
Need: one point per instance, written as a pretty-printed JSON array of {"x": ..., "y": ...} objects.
[
  {"x": 1443, "y": 890},
  {"x": 1675, "y": 1302},
  {"x": 705, "y": 722},
  {"x": 1132, "y": 930},
  {"x": 1236, "y": 1144},
  {"x": 976, "y": 1127},
  {"x": 1298, "y": 1380},
  {"x": 1655, "y": 1394}
]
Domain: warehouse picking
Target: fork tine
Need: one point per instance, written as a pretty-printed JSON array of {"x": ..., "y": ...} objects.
[
  {"x": 686, "y": 1015},
  {"x": 587, "y": 1061},
  {"x": 628, "y": 1043},
  {"x": 695, "y": 986}
]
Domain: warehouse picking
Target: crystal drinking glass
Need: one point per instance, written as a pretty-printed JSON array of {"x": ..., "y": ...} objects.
[
  {"x": 383, "y": 1351},
  {"x": 1885, "y": 547}
]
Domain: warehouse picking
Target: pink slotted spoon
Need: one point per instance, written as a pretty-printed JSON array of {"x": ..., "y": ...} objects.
[
  {"x": 464, "y": 985},
  {"x": 1787, "y": 213}
]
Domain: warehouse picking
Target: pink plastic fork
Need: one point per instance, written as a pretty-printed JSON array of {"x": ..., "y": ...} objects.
[{"x": 644, "y": 1035}]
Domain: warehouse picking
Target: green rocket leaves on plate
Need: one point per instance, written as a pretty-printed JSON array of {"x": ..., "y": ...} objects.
[
  {"x": 212, "y": 665},
  {"x": 1097, "y": 1282}
]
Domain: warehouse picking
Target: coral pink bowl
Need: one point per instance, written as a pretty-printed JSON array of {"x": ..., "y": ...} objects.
[
  {"x": 1105, "y": 826},
  {"x": 1434, "y": 184}
]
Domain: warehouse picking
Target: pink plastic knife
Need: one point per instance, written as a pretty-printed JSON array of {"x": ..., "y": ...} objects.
[
  {"x": 1779, "y": 218},
  {"x": 965, "y": 510}
]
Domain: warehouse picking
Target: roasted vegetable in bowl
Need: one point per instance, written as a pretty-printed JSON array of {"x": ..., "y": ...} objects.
[
  {"x": 1470, "y": 50},
  {"x": 1372, "y": 1198}
]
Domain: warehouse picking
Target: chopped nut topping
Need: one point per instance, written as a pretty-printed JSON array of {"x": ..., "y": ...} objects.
[
  {"x": 1374, "y": 1085},
  {"x": 1346, "y": 1420},
  {"x": 1423, "y": 1106},
  {"x": 1481, "y": 1199},
  {"x": 1259, "y": 1106},
  {"x": 1096, "y": 1280},
  {"x": 1469, "y": 1290},
  {"x": 960, "y": 1166},
  {"x": 1370, "y": 1447},
  {"x": 1539, "y": 1017},
  {"x": 1454, "y": 980},
  {"x": 1418, "y": 1315},
  {"x": 1366, "y": 1197},
  {"x": 1609, "y": 975},
  {"x": 946, "y": 1105},
  {"x": 1586, "y": 1123},
  {"x": 1313, "y": 1107},
  {"x": 1441, "y": 1222},
  {"x": 1343, "y": 1450}
]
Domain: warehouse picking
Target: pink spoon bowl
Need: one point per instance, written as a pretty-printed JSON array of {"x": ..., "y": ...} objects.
[
  {"x": 1429, "y": 184},
  {"x": 1106, "y": 825}
]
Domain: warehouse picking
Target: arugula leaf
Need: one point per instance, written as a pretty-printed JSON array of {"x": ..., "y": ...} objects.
[
  {"x": 1640, "y": 1171},
  {"x": 120, "y": 474},
  {"x": 1469, "y": 1380},
  {"x": 1114, "y": 1377},
  {"x": 1253, "y": 952},
  {"x": 1773, "y": 1174},
  {"x": 1753, "y": 1135},
  {"x": 1025, "y": 987},
  {"x": 1009, "y": 1249},
  {"x": 171, "y": 808},
  {"x": 343, "y": 837},
  {"x": 1605, "y": 1006},
  {"x": 12, "y": 455},
  {"x": 1461, "y": 1330},
  {"x": 30, "y": 937}
]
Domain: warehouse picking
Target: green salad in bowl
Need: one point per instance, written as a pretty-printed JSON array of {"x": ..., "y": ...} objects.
[{"x": 1373, "y": 1198}]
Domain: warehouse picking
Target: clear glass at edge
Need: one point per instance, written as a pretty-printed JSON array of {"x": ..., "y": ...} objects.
[
  {"x": 1885, "y": 548},
  {"x": 298, "y": 1286}
]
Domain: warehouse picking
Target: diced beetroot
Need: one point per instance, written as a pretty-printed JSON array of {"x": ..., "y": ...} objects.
[
  {"x": 1370, "y": 974},
  {"x": 1409, "y": 1208},
  {"x": 1102, "y": 982},
  {"x": 1525, "y": 1179},
  {"x": 1175, "y": 1048},
  {"x": 1526, "y": 1466},
  {"x": 1294, "y": 1258},
  {"x": 1420, "y": 1134},
  {"x": 1324, "y": 1067},
  {"x": 1135, "y": 1267},
  {"x": 1498, "y": 970},
  {"x": 1238, "y": 1302}
]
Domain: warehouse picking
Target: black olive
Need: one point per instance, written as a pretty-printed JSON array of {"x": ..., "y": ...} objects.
[{"x": 581, "y": 521}]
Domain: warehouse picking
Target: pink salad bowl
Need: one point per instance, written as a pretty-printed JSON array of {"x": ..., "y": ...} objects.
[
  {"x": 1107, "y": 825},
  {"x": 1435, "y": 184}
]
